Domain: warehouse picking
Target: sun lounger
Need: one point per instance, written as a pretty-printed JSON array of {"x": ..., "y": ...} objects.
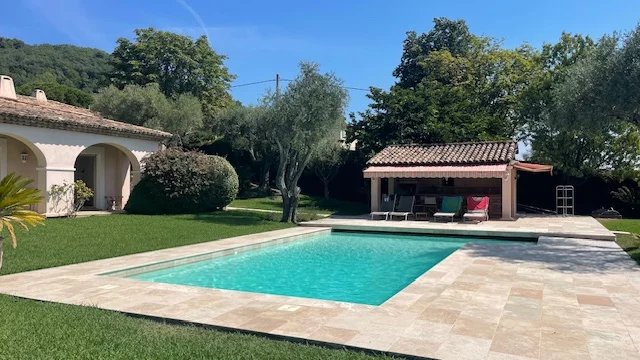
[
  {"x": 449, "y": 208},
  {"x": 388, "y": 205},
  {"x": 404, "y": 208},
  {"x": 477, "y": 209}
]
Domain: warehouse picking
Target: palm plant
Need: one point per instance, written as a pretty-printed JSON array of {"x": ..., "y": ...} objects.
[{"x": 15, "y": 198}]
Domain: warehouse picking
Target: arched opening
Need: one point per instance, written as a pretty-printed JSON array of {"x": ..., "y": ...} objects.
[
  {"x": 110, "y": 171},
  {"x": 20, "y": 156}
]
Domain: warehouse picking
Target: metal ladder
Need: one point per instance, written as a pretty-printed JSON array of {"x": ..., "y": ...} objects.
[{"x": 565, "y": 200}]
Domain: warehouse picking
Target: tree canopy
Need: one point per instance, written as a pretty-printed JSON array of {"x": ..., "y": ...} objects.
[
  {"x": 246, "y": 129},
  {"x": 574, "y": 101},
  {"x": 452, "y": 86},
  {"x": 147, "y": 106},
  {"x": 582, "y": 114},
  {"x": 178, "y": 64},
  {"x": 56, "y": 91},
  {"x": 72, "y": 66}
]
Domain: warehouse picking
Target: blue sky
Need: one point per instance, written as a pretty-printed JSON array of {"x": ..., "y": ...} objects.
[{"x": 359, "y": 40}]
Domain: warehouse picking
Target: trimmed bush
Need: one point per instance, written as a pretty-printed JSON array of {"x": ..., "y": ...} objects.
[{"x": 176, "y": 181}]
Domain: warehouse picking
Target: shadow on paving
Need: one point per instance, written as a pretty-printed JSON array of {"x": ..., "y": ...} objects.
[{"x": 566, "y": 255}]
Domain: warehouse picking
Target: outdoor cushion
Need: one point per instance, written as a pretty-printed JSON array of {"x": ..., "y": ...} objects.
[
  {"x": 477, "y": 203},
  {"x": 451, "y": 204}
]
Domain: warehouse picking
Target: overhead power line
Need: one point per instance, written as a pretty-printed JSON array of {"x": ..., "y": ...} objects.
[
  {"x": 278, "y": 79},
  {"x": 253, "y": 83}
]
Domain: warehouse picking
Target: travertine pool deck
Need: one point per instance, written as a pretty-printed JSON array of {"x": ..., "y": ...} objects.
[
  {"x": 524, "y": 226},
  {"x": 558, "y": 299}
]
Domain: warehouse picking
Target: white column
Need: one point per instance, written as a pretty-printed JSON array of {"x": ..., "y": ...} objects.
[
  {"x": 506, "y": 195},
  {"x": 135, "y": 178},
  {"x": 124, "y": 179},
  {"x": 3, "y": 158},
  {"x": 375, "y": 194},
  {"x": 391, "y": 186},
  {"x": 514, "y": 192},
  {"x": 41, "y": 183}
]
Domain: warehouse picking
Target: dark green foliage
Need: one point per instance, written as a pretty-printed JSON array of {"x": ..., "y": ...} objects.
[
  {"x": 581, "y": 116},
  {"x": 148, "y": 106},
  {"x": 630, "y": 197},
  {"x": 58, "y": 92},
  {"x": 76, "y": 67},
  {"x": 178, "y": 64},
  {"x": 176, "y": 181},
  {"x": 244, "y": 130},
  {"x": 452, "y": 86}
]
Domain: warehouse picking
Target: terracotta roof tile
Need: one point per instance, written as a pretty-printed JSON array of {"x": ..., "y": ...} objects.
[
  {"x": 489, "y": 152},
  {"x": 25, "y": 110}
]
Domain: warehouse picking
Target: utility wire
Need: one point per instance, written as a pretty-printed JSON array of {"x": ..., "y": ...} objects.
[
  {"x": 273, "y": 80},
  {"x": 253, "y": 83}
]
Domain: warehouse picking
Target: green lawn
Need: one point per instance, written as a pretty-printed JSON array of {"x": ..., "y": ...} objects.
[
  {"x": 68, "y": 241},
  {"x": 629, "y": 243},
  {"x": 37, "y": 330},
  {"x": 308, "y": 204}
]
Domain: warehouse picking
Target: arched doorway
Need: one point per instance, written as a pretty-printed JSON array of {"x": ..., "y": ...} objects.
[
  {"x": 20, "y": 156},
  {"x": 110, "y": 171}
]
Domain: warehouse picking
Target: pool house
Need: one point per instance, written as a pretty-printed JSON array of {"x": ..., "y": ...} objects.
[{"x": 451, "y": 169}]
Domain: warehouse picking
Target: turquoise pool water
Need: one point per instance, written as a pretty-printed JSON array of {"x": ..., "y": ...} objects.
[{"x": 366, "y": 268}]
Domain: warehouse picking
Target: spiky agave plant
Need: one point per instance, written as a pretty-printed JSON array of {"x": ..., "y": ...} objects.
[{"x": 15, "y": 199}]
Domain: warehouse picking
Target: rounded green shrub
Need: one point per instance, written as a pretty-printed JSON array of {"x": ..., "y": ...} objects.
[{"x": 176, "y": 181}]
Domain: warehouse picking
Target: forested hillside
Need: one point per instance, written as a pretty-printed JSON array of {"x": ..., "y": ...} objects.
[{"x": 73, "y": 66}]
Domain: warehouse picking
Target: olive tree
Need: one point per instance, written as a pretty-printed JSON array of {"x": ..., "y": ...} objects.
[
  {"x": 307, "y": 114},
  {"x": 327, "y": 161},
  {"x": 246, "y": 128}
]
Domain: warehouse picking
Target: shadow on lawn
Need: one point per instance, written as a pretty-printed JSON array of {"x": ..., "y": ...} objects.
[
  {"x": 563, "y": 256},
  {"x": 236, "y": 218}
]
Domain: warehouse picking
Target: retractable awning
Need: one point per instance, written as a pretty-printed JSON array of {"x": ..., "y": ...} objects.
[
  {"x": 531, "y": 167},
  {"x": 449, "y": 171}
]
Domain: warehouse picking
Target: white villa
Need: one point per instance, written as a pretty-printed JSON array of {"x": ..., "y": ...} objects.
[{"x": 56, "y": 144}]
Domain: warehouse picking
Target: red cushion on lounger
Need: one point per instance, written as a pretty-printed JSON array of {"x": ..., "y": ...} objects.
[{"x": 475, "y": 203}]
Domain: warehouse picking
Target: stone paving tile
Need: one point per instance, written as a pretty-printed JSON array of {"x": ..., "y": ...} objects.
[
  {"x": 502, "y": 356},
  {"x": 474, "y": 327},
  {"x": 438, "y": 315},
  {"x": 462, "y": 347},
  {"x": 517, "y": 341},
  {"x": 557, "y": 299},
  {"x": 594, "y": 300},
  {"x": 415, "y": 347},
  {"x": 333, "y": 335}
]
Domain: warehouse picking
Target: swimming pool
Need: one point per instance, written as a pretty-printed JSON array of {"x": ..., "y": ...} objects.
[{"x": 356, "y": 267}]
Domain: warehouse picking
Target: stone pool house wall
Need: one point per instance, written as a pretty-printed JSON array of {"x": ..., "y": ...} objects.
[
  {"x": 55, "y": 144},
  {"x": 465, "y": 169}
]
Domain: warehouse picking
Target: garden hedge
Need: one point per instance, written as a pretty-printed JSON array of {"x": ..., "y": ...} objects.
[{"x": 176, "y": 181}]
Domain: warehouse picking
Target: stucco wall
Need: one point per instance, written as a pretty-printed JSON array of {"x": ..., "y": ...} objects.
[
  {"x": 14, "y": 163},
  {"x": 55, "y": 152}
]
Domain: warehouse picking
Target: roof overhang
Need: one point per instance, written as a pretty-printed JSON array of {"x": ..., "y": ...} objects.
[
  {"x": 135, "y": 132},
  {"x": 448, "y": 171}
]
